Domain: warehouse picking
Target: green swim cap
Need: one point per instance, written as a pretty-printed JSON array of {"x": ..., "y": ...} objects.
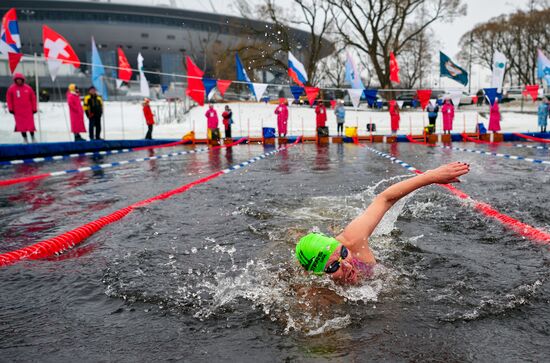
[{"x": 314, "y": 250}]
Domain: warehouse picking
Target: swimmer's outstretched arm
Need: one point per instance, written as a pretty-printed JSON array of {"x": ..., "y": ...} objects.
[{"x": 360, "y": 229}]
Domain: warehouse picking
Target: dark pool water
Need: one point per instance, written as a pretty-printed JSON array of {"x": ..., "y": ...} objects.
[{"x": 209, "y": 275}]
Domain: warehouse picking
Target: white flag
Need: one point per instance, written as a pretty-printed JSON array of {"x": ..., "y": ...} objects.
[
  {"x": 400, "y": 104},
  {"x": 143, "y": 84},
  {"x": 499, "y": 65},
  {"x": 455, "y": 96},
  {"x": 259, "y": 89},
  {"x": 355, "y": 95},
  {"x": 433, "y": 101}
]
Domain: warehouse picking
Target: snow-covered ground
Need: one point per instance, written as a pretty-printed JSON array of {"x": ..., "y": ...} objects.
[{"x": 124, "y": 120}]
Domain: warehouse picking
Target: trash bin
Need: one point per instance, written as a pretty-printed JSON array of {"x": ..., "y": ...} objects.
[
  {"x": 351, "y": 131},
  {"x": 268, "y": 132}
]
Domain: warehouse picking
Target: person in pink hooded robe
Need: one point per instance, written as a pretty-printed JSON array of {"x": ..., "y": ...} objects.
[
  {"x": 494, "y": 118},
  {"x": 282, "y": 118},
  {"x": 76, "y": 112},
  {"x": 211, "y": 117},
  {"x": 448, "y": 112},
  {"x": 22, "y": 105},
  {"x": 394, "y": 116}
]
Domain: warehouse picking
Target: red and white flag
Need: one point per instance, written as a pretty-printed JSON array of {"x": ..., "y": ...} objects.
[{"x": 57, "y": 51}]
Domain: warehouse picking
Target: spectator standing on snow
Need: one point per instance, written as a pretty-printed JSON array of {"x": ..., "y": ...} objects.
[
  {"x": 494, "y": 117},
  {"x": 340, "y": 112},
  {"x": 433, "y": 109},
  {"x": 321, "y": 114},
  {"x": 93, "y": 106},
  {"x": 76, "y": 112},
  {"x": 394, "y": 116},
  {"x": 22, "y": 105},
  {"x": 542, "y": 114},
  {"x": 448, "y": 111},
  {"x": 211, "y": 117},
  {"x": 227, "y": 116},
  {"x": 282, "y": 118},
  {"x": 149, "y": 118}
]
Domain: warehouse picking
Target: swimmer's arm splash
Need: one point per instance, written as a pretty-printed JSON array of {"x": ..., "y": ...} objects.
[{"x": 360, "y": 229}]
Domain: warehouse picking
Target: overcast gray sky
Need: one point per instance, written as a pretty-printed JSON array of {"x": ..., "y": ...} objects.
[{"x": 448, "y": 33}]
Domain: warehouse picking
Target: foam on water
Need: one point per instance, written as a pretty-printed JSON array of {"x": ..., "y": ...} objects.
[{"x": 273, "y": 284}]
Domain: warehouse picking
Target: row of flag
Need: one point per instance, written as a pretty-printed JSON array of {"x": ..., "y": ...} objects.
[{"x": 58, "y": 51}]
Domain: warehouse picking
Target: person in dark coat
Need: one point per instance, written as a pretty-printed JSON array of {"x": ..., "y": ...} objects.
[{"x": 93, "y": 106}]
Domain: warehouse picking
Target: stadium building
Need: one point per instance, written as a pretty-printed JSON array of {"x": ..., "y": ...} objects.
[{"x": 163, "y": 31}]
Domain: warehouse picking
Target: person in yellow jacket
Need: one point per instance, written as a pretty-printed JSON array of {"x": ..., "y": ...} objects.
[{"x": 93, "y": 106}]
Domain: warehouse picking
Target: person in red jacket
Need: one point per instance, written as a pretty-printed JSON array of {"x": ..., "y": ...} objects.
[
  {"x": 22, "y": 105},
  {"x": 321, "y": 114},
  {"x": 227, "y": 116},
  {"x": 149, "y": 118}
]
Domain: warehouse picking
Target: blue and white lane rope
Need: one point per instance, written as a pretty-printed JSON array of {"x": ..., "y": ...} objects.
[
  {"x": 392, "y": 158},
  {"x": 26, "y": 179},
  {"x": 498, "y": 155},
  {"x": 124, "y": 162},
  {"x": 532, "y": 147},
  {"x": 63, "y": 157}
]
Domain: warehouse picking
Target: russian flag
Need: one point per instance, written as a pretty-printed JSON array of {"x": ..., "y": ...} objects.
[
  {"x": 10, "y": 42},
  {"x": 296, "y": 70}
]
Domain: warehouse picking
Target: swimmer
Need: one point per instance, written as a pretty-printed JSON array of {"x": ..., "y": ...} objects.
[{"x": 347, "y": 259}]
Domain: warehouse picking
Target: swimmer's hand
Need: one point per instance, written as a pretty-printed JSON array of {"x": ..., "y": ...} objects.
[{"x": 448, "y": 173}]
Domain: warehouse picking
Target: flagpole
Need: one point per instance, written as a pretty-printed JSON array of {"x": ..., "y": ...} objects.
[
  {"x": 37, "y": 88},
  {"x": 63, "y": 108}
]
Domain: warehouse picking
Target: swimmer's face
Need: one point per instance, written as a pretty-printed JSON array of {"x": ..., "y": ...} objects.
[{"x": 347, "y": 273}]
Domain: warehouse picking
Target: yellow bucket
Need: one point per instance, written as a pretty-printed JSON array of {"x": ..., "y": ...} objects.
[{"x": 351, "y": 131}]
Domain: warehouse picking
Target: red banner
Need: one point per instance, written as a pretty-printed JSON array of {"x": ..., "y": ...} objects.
[{"x": 423, "y": 96}]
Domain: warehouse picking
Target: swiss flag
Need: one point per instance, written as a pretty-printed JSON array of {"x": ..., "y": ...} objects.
[
  {"x": 58, "y": 48},
  {"x": 124, "y": 69},
  {"x": 394, "y": 69}
]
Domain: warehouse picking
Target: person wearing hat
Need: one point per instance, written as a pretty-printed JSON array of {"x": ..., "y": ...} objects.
[
  {"x": 22, "y": 105},
  {"x": 340, "y": 112},
  {"x": 282, "y": 117},
  {"x": 347, "y": 258},
  {"x": 76, "y": 112},
  {"x": 149, "y": 118},
  {"x": 93, "y": 106}
]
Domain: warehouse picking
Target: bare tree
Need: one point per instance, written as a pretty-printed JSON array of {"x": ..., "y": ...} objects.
[
  {"x": 378, "y": 27},
  {"x": 313, "y": 15},
  {"x": 517, "y": 36}
]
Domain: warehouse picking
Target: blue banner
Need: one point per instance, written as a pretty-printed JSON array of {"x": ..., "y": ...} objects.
[
  {"x": 370, "y": 95},
  {"x": 296, "y": 91},
  {"x": 98, "y": 72},
  {"x": 241, "y": 74},
  {"x": 209, "y": 85},
  {"x": 492, "y": 94}
]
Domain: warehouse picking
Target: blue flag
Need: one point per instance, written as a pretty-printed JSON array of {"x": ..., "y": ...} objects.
[
  {"x": 98, "y": 72},
  {"x": 296, "y": 91},
  {"x": 370, "y": 95},
  {"x": 447, "y": 68},
  {"x": 209, "y": 85},
  {"x": 492, "y": 94},
  {"x": 242, "y": 76}
]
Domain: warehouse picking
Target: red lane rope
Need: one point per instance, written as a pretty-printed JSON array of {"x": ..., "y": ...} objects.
[
  {"x": 532, "y": 138},
  {"x": 510, "y": 222},
  {"x": 78, "y": 235},
  {"x": 484, "y": 208},
  {"x": 176, "y": 143},
  {"x": 25, "y": 179}
]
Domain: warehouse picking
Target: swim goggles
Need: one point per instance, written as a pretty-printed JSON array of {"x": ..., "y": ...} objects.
[{"x": 333, "y": 267}]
